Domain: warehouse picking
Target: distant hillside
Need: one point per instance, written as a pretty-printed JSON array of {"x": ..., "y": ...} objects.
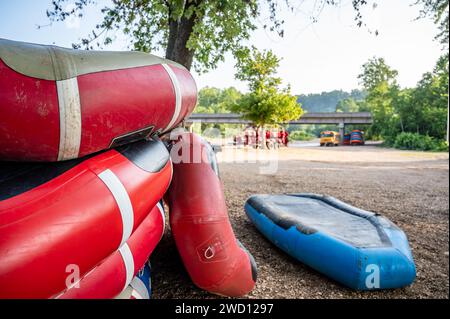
[{"x": 327, "y": 101}]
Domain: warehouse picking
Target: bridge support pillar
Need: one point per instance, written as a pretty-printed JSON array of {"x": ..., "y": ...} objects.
[
  {"x": 341, "y": 132},
  {"x": 189, "y": 126}
]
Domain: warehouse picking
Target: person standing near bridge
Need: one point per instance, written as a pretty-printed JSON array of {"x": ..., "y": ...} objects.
[
  {"x": 286, "y": 137},
  {"x": 283, "y": 137}
]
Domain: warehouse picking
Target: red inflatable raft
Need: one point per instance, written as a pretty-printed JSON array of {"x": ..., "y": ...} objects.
[
  {"x": 214, "y": 259},
  {"x": 117, "y": 272},
  {"x": 141, "y": 285},
  {"x": 59, "y": 104},
  {"x": 74, "y": 212}
]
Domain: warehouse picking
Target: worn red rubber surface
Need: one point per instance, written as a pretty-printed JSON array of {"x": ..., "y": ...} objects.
[
  {"x": 214, "y": 259},
  {"x": 78, "y": 217},
  {"x": 112, "y": 275},
  {"x": 43, "y": 121}
]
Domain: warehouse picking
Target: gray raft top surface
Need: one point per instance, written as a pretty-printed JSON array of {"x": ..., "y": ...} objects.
[
  {"x": 49, "y": 62},
  {"x": 312, "y": 213}
]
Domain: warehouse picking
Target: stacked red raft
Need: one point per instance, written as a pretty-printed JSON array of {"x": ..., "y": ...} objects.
[
  {"x": 83, "y": 174},
  {"x": 59, "y": 104},
  {"x": 89, "y": 223}
]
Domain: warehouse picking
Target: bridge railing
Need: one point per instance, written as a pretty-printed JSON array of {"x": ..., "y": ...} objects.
[{"x": 307, "y": 118}]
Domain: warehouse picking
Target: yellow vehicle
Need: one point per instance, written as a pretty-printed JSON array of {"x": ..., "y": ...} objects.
[{"x": 329, "y": 138}]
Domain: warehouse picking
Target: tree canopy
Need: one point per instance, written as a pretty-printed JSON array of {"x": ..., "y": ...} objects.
[
  {"x": 214, "y": 100},
  {"x": 347, "y": 105},
  {"x": 192, "y": 32},
  {"x": 429, "y": 102},
  {"x": 438, "y": 11},
  {"x": 331, "y": 101},
  {"x": 266, "y": 103},
  {"x": 376, "y": 72},
  {"x": 380, "y": 82},
  {"x": 421, "y": 110},
  {"x": 257, "y": 68},
  {"x": 187, "y": 30}
]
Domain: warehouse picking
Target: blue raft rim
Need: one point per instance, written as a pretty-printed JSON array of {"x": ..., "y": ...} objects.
[{"x": 387, "y": 266}]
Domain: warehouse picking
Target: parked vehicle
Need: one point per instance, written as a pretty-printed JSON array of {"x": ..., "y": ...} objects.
[
  {"x": 356, "y": 137},
  {"x": 347, "y": 139},
  {"x": 329, "y": 138}
]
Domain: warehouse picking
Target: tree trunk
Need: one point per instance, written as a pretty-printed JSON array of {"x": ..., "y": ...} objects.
[
  {"x": 173, "y": 31},
  {"x": 179, "y": 32},
  {"x": 263, "y": 138}
]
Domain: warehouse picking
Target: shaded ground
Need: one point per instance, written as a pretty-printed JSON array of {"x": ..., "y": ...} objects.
[{"x": 410, "y": 188}]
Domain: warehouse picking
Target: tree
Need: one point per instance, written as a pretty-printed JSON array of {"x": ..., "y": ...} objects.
[
  {"x": 268, "y": 106},
  {"x": 422, "y": 110},
  {"x": 379, "y": 80},
  {"x": 229, "y": 97},
  {"x": 187, "y": 29},
  {"x": 266, "y": 103},
  {"x": 438, "y": 10},
  {"x": 214, "y": 100},
  {"x": 192, "y": 32},
  {"x": 257, "y": 68},
  {"x": 328, "y": 101},
  {"x": 347, "y": 105},
  {"x": 430, "y": 100},
  {"x": 376, "y": 72},
  {"x": 208, "y": 98}
]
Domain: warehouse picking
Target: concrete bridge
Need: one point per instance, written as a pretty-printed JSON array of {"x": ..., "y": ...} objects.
[{"x": 339, "y": 118}]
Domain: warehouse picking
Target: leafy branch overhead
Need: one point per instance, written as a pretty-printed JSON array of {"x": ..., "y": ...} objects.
[
  {"x": 192, "y": 32},
  {"x": 199, "y": 30},
  {"x": 438, "y": 10}
]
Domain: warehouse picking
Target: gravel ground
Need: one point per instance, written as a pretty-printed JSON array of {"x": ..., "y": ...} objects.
[{"x": 410, "y": 188}]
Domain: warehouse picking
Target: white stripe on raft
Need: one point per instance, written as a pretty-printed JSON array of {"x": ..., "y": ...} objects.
[
  {"x": 136, "y": 295},
  {"x": 171, "y": 170},
  {"x": 128, "y": 261},
  {"x": 69, "y": 119},
  {"x": 139, "y": 287},
  {"x": 123, "y": 201},
  {"x": 161, "y": 211},
  {"x": 176, "y": 87}
]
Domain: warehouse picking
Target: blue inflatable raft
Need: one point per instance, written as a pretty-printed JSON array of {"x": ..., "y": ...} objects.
[{"x": 359, "y": 249}]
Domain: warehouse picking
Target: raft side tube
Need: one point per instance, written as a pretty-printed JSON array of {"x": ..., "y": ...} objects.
[
  {"x": 214, "y": 259},
  {"x": 59, "y": 104},
  {"x": 78, "y": 217},
  {"x": 346, "y": 258},
  {"x": 122, "y": 272}
]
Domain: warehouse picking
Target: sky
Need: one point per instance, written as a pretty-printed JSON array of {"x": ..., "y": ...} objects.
[{"x": 318, "y": 57}]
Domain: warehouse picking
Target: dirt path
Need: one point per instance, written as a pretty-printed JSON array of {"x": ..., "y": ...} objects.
[{"x": 410, "y": 188}]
